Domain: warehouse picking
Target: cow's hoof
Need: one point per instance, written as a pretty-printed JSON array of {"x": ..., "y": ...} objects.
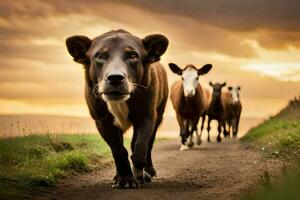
[
  {"x": 199, "y": 142},
  {"x": 219, "y": 139},
  {"x": 127, "y": 182},
  {"x": 147, "y": 177},
  {"x": 184, "y": 147},
  {"x": 151, "y": 171},
  {"x": 190, "y": 144},
  {"x": 141, "y": 176}
]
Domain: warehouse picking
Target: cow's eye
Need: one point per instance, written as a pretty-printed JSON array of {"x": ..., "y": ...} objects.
[
  {"x": 101, "y": 55},
  {"x": 132, "y": 55}
]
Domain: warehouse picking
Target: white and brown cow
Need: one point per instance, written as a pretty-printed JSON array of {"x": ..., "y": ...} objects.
[
  {"x": 232, "y": 110},
  {"x": 189, "y": 100}
]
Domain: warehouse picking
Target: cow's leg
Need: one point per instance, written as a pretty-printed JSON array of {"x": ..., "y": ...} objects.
[
  {"x": 149, "y": 165},
  {"x": 191, "y": 129},
  {"x": 133, "y": 140},
  {"x": 230, "y": 128},
  {"x": 199, "y": 141},
  {"x": 219, "y": 131},
  {"x": 182, "y": 126},
  {"x": 144, "y": 130},
  {"x": 190, "y": 142},
  {"x": 236, "y": 126},
  {"x": 184, "y": 133},
  {"x": 226, "y": 132},
  {"x": 198, "y": 137},
  {"x": 113, "y": 136},
  {"x": 208, "y": 129},
  {"x": 147, "y": 176}
]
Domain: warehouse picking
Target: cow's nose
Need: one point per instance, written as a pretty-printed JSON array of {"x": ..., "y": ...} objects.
[
  {"x": 189, "y": 93},
  {"x": 115, "y": 79}
]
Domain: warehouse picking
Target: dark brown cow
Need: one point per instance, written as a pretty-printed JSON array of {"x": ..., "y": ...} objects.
[
  {"x": 189, "y": 100},
  {"x": 216, "y": 110},
  {"x": 232, "y": 110},
  {"x": 125, "y": 85}
]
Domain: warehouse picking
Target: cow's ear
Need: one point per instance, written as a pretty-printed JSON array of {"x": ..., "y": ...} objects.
[
  {"x": 205, "y": 69},
  {"x": 229, "y": 88},
  {"x": 174, "y": 68},
  {"x": 224, "y": 84},
  {"x": 239, "y": 87},
  {"x": 78, "y": 46},
  {"x": 155, "y": 45},
  {"x": 211, "y": 84}
]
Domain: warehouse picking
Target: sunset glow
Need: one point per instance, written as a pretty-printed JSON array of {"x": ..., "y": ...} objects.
[{"x": 254, "y": 47}]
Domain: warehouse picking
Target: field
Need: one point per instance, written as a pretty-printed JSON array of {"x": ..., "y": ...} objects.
[{"x": 32, "y": 162}]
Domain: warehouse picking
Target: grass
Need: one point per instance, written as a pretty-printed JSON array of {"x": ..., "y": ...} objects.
[
  {"x": 276, "y": 135},
  {"x": 285, "y": 187},
  {"x": 29, "y": 162},
  {"x": 280, "y": 133},
  {"x": 279, "y": 136}
]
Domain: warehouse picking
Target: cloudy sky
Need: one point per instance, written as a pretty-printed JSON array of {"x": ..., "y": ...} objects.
[{"x": 252, "y": 43}]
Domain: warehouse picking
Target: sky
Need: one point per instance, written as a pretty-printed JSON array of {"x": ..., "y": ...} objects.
[{"x": 251, "y": 43}]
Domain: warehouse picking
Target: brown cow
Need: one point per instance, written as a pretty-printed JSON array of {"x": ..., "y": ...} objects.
[
  {"x": 216, "y": 109},
  {"x": 189, "y": 100},
  {"x": 232, "y": 110},
  {"x": 125, "y": 85}
]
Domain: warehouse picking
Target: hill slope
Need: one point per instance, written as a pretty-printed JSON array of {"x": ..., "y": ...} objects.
[
  {"x": 279, "y": 137},
  {"x": 280, "y": 133}
]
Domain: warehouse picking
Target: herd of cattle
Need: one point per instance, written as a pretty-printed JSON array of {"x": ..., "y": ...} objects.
[
  {"x": 125, "y": 86},
  {"x": 192, "y": 101}
]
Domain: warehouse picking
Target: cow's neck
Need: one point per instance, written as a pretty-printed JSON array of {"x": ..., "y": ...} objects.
[
  {"x": 189, "y": 100},
  {"x": 216, "y": 103}
]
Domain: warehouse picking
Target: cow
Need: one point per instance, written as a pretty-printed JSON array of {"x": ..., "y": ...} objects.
[
  {"x": 125, "y": 86},
  {"x": 232, "y": 110},
  {"x": 216, "y": 110},
  {"x": 189, "y": 100}
]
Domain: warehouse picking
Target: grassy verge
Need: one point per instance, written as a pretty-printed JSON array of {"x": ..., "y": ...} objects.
[
  {"x": 278, "y": 137},
  {"x": 285, "y": 187},
  {"x": 27, "y": 163}
]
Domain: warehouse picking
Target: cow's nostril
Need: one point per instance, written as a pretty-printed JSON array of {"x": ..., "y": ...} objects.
[{"x": 115, "y": 79}]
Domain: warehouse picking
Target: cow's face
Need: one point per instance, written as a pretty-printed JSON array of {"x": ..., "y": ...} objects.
[
  {"x": 217, "y": 89},
  {"x": 235, "y": 93},
  {"x": 190, "y": 76},
  {"x": 116, "y": 61}
]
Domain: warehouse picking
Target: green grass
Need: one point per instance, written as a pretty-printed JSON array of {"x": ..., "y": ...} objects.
[
  {"x": 276, "y": 135},
  {"x": 280, "y": 133},
  {"x": 285, "y": 187},
  {"x": 280, "y": 137},
  {"x": 35, "y": 161}
]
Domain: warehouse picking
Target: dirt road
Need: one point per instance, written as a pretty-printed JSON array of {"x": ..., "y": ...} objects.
[{"x": 210, "y": 171}]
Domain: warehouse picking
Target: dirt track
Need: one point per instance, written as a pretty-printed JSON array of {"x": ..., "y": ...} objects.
[{"x": 210, "y": 171}]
